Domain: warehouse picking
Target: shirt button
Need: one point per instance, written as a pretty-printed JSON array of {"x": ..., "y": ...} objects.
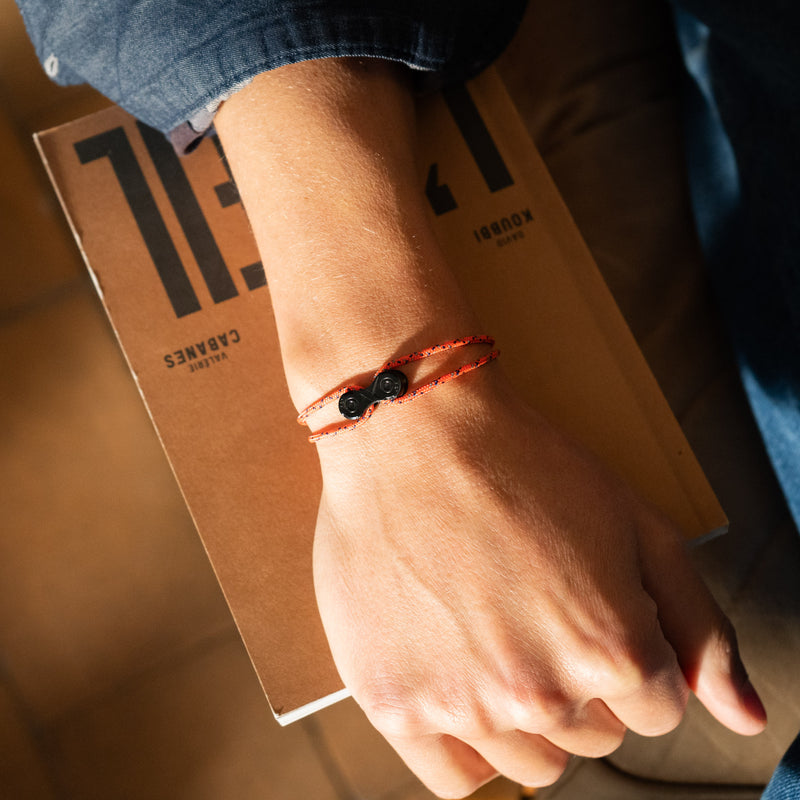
[{"x": 51, "y": 65}]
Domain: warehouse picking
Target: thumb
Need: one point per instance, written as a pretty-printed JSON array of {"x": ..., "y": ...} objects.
[{"x": 702, "y": 636}]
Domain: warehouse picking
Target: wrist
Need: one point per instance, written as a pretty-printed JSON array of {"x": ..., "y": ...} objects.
[
  {"x": 425, "y": 439},
  {"x": 355, "y": 351},
  {"x": 397, "y": 382}
]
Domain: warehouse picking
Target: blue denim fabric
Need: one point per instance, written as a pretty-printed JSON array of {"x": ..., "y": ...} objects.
[
  {"x": 785, "y": 783},
  {"x": 744, "y": 161},
  {"x": 168, "y": 61}
]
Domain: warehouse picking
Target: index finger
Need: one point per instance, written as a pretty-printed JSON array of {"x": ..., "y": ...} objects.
[
  {"x": 647, "y": 690},
  {"x": 702, "y": 636}
]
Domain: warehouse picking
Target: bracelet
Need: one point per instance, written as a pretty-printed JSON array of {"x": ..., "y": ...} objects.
[{"x": 389, "y": 385}]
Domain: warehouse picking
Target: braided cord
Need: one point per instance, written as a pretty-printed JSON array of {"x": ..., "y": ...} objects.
[{"x": 331, "y": 397}]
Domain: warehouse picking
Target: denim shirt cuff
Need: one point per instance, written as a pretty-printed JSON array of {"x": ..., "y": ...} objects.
[{"x": 172, "y": 64}]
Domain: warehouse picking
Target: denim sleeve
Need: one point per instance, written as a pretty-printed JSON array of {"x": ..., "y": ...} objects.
[{"x": 169, "y": 62}]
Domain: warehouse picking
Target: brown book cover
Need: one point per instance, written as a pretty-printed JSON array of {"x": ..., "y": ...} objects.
[{"x": 171, "y": 253}]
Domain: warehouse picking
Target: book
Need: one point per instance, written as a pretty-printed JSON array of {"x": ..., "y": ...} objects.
[{"x": 169, "y": 248}]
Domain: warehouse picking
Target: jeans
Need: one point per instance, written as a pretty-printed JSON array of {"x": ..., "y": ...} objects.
[
  {"x": 743, "y": 114},
  {"x": 743, "y": 152},
  {"x": 785, "y": 783}
]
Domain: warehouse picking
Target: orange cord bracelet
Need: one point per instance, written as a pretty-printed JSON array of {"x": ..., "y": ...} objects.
[{"x": 358, "y": 403}]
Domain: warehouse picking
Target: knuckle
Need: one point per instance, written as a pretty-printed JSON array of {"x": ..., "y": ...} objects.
[
  {"x": 634, "y": 659},
  {"x": 547, "y": 774},
  {"x": 620, "y": 654},
  {"x": 605, "y": 745},
  {"x": 466, "y": 720},
  {"x": 392, "y": 710},
  {"x": 668, "y": 704},
  {"x": 529, "y": 704},
  {"x": 660, "y": 725},
  {"x": 616, "y": 667},
  {"x": 538, "y": 711},
  {"x": 613, "y": 671}
]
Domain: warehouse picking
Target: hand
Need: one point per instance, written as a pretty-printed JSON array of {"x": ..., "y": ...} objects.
[{"x": 495, "y": 600}]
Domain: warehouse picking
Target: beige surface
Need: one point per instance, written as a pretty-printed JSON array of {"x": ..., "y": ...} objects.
[
  {"x": 24, "y": 771},
  {"x": 178, "y": 734},
  {"x": 598, "y": 780}
]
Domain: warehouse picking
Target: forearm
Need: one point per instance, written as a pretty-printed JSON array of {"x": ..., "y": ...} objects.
[{"x": 323, "y": 153}]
